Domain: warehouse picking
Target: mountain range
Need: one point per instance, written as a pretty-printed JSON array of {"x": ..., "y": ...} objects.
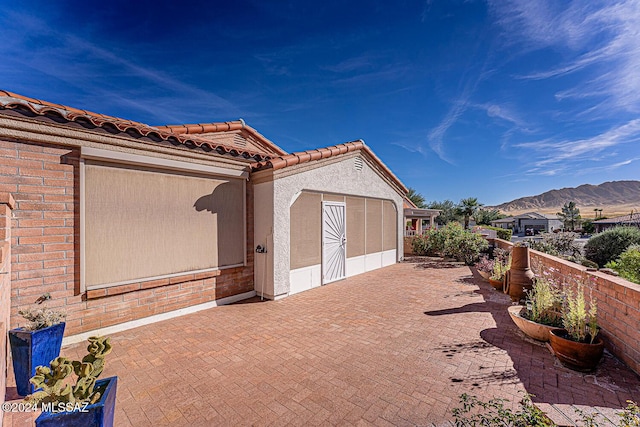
[{"x": 614, "y": 197}]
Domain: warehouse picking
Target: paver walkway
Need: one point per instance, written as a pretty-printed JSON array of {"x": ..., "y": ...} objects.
[{"x": 396, "y": 346}]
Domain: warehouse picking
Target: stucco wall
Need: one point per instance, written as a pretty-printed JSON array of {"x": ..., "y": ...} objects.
[{"x": 335, "y": 177}]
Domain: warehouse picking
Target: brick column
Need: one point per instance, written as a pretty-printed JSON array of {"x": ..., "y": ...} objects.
[{"x": 6, "y": 205}]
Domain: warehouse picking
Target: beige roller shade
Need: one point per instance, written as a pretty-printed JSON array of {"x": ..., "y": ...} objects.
[
  {"x": 305, "y": 230},
  {"x": 355, "y": 226},
  {"x": 390, "y": 226},
  {"x": 143, "y": 222},
  {"x": 374, "y": 226},
  {"x": 332, "y": 198}
]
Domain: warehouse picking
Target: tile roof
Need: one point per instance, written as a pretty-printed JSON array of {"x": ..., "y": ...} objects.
[
  {"x": 632, "y": 218},
  {"x": 9, "y": 100},
  {"x": 324, "y": 153},
  {"x": 233, "y": 126}
]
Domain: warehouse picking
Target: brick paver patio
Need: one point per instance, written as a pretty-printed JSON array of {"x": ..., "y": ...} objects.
[{"x": 396, "y": 346}]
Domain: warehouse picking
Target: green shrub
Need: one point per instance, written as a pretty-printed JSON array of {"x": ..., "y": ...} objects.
[
  {"x": 557, "y": 244},
  {"x": 450, "y": 241},
  {"x": 628, "y": 265},
  {"x": 502, "y": 233},
  {"x": 608, "y": 245}
]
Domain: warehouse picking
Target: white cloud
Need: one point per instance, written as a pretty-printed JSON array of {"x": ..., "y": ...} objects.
[
  {"x": 555, "y": 156},
  {"x": 599, "y": 37}
]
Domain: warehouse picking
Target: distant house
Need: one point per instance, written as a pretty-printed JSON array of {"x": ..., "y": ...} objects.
[
  {"x": 417, "y": 220},
  {"x": 534, "y": 221},
  {"x": 633, "y": 219}
]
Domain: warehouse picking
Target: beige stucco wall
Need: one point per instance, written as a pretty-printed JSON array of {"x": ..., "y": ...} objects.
[{"x": 334, "y": 176}]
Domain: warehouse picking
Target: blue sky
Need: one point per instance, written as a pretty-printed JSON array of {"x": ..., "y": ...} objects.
[{"x": 488, "y": 99}]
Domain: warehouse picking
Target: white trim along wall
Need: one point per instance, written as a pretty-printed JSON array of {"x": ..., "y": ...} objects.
[{"x": 272, "y": 199}]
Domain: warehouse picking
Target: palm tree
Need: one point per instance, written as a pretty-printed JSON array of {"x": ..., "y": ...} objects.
[
  {"x": 416, "y": 198},
  {"x": 467, "y": 208}
]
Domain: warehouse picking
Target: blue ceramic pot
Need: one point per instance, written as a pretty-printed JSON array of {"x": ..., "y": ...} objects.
[
  {"x": 30, "y": 349},
  {"x": 99, "y": 414}
]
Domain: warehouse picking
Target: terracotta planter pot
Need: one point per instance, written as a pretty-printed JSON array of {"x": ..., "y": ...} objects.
[
  {"x": 534, "y": 330},
  {"x": 576, "y": 355},
  {"x": 496, "y": 284},
  {"x": 484, "y": 275}
]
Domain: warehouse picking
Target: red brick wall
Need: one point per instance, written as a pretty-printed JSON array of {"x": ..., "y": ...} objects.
[
  {"x": 44, "y": 180},
  {"x": 618, "y": 304},
  {"x": 6, "y": 204}
]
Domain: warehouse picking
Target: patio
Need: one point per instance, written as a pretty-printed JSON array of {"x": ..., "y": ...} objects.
[{"x": 395, "y": 346}]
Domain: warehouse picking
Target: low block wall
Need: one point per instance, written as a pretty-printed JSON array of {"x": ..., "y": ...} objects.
[{"x": 618, "y": 303}]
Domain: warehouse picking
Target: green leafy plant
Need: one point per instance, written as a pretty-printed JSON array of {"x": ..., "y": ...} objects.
[
  {"x": 610, "y": 244},
  {"x": 450, "y": 241},
  {"x": 485, "y": 264},
  {"x": 56, "y": 380},
  {"x": 40, "y": 317},
  {"x": 501, "y": 263},
  {"x": 544, "y": 303},
  {"x": 474, "y": 412},
  {"x": 628, "y": 265},
  {"x": 630, "y": 416},
  {"x": 579, "y": 317},
  {"x": 559, "y": 244}
]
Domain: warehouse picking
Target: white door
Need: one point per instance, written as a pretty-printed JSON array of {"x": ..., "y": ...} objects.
[{"x": 334, "y": 242}]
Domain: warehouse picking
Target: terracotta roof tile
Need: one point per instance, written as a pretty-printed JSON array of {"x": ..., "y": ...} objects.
[
  {"x": 323, "y": 153},
  {"x": 238, "y": 125},
  {"x": 9, "y": 100}
]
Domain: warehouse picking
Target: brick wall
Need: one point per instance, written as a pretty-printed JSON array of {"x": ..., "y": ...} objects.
[
  {"x": 44, "y": 180},
  {"x": 6, "y": 205},
  {"x": 618, "y": 303}
]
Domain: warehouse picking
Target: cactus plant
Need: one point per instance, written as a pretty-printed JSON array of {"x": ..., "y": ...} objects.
[{"x": 56, "y": 380}]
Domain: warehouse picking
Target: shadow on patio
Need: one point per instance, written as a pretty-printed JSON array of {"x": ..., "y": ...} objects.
[{"x": 356, "y": 352}]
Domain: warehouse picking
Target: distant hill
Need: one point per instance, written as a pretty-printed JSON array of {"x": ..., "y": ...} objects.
[{"x": 615, "y": 197}]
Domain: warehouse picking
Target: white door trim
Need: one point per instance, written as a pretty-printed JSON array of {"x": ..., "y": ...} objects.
[{"x": 334, "y": 241}]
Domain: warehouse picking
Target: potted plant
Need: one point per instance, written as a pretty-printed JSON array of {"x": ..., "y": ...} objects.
[
  {"x": 578, "y": 346},
  {"x": 485, "y": 267},
  {"x": 541, "y": 312},
  {"x": 501, "y": 265},
  {"x": 87, "y": 403},
  {"x": 37, "y": 343}
]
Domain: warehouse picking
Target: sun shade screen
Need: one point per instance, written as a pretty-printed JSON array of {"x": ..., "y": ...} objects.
[
  {"x": 355, "y": 227},
  {"x": 374, "y": 226},
  {"x": 142, "y": 223},
  {"x": 305, "y": 234},
  {"x": 390, "y": 226}
]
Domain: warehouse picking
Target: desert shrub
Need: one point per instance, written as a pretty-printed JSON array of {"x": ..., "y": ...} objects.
[
  {"x": 420, "y": 245},
  {"x": 501, "y": 233},
  {"x": 628, "y": 265},
  {"x": 608, "y": 245},
  {"x": 501, "y": 263},
  {"x": 465, "y": 247},
  {"x": 544, "y": 303},
  {"x": 504, "y": 234},
  {"x": 451, "y": 241},
  {"x": 562, "y": 243},
  {"x": 485, "y": 264}
]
